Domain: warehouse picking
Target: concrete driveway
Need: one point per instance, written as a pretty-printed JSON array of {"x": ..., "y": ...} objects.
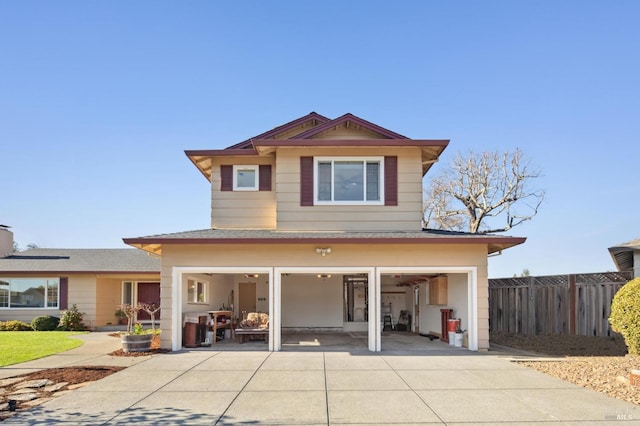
[{"x": 444, "y": 386}]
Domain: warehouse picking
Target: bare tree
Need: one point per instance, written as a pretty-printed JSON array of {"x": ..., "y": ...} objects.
[
  {"x": 152, "y": 309},
  {"x": 483, "y": 193}
]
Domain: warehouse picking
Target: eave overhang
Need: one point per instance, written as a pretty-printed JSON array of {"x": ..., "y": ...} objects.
[
  {"x": 431, "y": 149},
  {"x": 201, "y": 158},
  {"x": 494, "y": 243},
  {"x": 623, "y": 255}
]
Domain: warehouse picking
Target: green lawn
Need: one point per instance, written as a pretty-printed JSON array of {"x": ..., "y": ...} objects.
[{"x": 21, "y": 346}]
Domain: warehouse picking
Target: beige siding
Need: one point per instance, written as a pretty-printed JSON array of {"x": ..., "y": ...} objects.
[
  {"x": 483, "y": 305},
  {"x": 25, "y": 315},
  {"x": 242, "y": 209},
  {"x": 82, "y": 293},
  {"x": 108, "y": 297},
  {"x": 304, "y": 255},
  {"x": 407, "y": 215}
]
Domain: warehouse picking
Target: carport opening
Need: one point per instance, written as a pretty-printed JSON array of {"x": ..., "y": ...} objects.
[
  {"x": 320, "y": 309},
  {"x": 214, "y": 305},
  {"x": 414, "y": 303}
]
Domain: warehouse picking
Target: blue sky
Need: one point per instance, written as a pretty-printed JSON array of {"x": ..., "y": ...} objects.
[{"x": 99, "y": 100}]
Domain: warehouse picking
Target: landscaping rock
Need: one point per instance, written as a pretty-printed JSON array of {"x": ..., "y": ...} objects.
[
  {"x": 56, "y": 387},
  {"x": 23, "y": 396},
  {"x": 78, "y": 385},
  {"x": 34, "y": 384},
  {"x": 11, "y": 380},
  {"x": 591, "y": 362},
  {"x": 37, "y": 401}
]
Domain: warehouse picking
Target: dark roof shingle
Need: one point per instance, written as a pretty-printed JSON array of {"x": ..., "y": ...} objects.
[{"x": 80, "y": 260}]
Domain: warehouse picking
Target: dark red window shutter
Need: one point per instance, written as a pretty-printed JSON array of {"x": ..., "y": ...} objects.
[
  {"x": 226, "y": 178},
  {"x": 63, "y": 293},
  {"x": 265, "y": 177},
  {"x": 391, "y": 180},
  {"x": 306, "y": 181}
]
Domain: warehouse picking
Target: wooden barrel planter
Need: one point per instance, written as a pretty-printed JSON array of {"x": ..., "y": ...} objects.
[{"x": 136, "y": 342}]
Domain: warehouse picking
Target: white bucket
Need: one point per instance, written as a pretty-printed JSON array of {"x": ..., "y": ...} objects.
[
  {"x": 227, "y": 334},
  {"x": 458, "y": 339},
  {"x": 451, "y": 337}
]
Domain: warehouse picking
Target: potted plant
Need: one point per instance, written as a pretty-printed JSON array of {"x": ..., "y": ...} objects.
[
  {"x": 122, "y": 316},
  {"x": 136, "y": 338}
]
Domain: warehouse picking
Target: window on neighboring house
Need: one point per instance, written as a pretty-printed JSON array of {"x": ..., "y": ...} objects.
[
  {"x": 29, "y": 292},
  {"x": 245, "y": 178},
  {"x": 196, "y": 291},
  {"x": 349, "y": 180}
]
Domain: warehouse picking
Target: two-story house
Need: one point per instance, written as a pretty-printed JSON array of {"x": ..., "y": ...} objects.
[{"x": 318, "y": 222}]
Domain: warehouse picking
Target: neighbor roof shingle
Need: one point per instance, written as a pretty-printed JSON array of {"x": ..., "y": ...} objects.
[{"x": 80, "y": 260}]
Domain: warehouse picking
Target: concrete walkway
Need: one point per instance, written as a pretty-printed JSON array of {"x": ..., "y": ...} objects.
[{"x": 447, "y": 386}]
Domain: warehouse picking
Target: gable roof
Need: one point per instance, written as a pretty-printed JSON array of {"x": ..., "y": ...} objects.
[
  {"x": 310, "y": 118},
  {"x": 622, "y": 254},
  {"x": 80, "y": 261},
  {"x": 349, "y": 118},
  {"x": 153, "y": 243},
  {"x": 265, "y": 143}
]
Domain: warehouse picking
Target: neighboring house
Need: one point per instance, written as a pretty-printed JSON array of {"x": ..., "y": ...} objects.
[
  {"x": 319, "y": 223},
  {"x": 626, "y": 256},
  {"x": 45, "y": 281}
]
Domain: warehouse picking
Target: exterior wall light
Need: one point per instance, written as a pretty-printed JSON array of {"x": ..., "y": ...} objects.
[{"x": 323, "y": 251}]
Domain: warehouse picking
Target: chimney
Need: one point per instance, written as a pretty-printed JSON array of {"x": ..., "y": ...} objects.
[{"x": 6, "y": 241}]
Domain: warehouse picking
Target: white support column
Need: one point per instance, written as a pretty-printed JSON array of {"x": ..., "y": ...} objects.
[
  {"x": 472, "y": 299},
  {"x": 275, "y": 306},
  {"x": 375, "y": 337}
]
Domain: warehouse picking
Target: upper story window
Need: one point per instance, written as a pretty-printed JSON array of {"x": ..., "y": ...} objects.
[
  {"x": 349, "y": 180},
  {"x": 245, "y": 178},
  {"x": 29, "y": 292}
]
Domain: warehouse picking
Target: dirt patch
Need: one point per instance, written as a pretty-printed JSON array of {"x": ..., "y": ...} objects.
[
  {"x": 29, "y": 390},
  {"x": 73, "y": 375},
  {"x": 562, "y": 345},
  {"x": 597, "y": 363}
]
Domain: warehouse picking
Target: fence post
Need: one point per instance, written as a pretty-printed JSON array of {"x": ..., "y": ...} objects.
[
  {"x": 572, "y": 304},
  {"x": 531, "y": 328}
]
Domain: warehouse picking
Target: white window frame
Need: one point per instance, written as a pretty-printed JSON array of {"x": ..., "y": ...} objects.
[
  {"x": 205, "y": 290},
  {"x": 46, "y": 280},
  {"x": 379, "y": 160},
  {"x": 237, "y": 168}
]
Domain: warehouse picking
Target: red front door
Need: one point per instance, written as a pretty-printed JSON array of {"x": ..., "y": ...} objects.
[{"x": 148, "y": 293}]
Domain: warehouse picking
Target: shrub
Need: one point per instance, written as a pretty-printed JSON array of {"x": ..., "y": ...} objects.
[
  {"x": 45, "y": 323},
  {"x": 71, "y": 320},
  {"x": 625, "y": 315},
  {"x": 15, "y": 325}
]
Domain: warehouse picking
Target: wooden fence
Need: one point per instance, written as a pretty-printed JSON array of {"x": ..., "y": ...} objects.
[{"x": 556, "y": 304}]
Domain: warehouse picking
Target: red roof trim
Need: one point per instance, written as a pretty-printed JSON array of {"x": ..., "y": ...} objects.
[
  {"x": 354, "y": 119},
  {"x": 219, "y": 152},
  {"x": 350, "y": 142},
  {"x": 427, "y": 240},
  {"x": 282, "y": 128}
]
